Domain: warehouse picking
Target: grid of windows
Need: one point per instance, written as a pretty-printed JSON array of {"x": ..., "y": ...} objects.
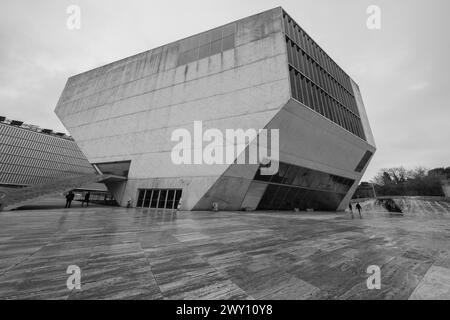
[
  {"x": 297, "y": 187},
  {"x": 207, "y": 44},
  {"x": 28, "y": 157},
  {"x": 318, "y": 82},
  {"x": 159, "y": 198}
]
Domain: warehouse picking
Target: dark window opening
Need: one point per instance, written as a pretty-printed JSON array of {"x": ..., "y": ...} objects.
[
  {"x": 366, "y": 157},
  {"x": 118, "y": 168},
  {"x": 298, "y": 187}
]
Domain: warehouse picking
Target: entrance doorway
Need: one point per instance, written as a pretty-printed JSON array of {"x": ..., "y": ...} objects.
[{"x": 159, "y": 198}]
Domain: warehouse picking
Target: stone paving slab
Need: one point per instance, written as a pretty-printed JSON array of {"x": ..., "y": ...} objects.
[
  {"x": 434, "y": 285},
  {"x": 141, "y": 254}
]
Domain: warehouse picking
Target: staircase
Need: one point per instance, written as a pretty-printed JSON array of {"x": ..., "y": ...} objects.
[{"x": 18, "y": 197}]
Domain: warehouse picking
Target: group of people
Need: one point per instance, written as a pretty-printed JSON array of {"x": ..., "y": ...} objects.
[
  {"x": 358, "y": 207},
  {"x": 71, "y": 195}
]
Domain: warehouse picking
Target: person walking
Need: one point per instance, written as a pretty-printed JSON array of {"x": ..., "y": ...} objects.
[
  {"x": 351, "y": 209},
  {"x": 358, "y": 206},
  {"x": 86, "y": 199},
  {"x": 69, "y": 198}
]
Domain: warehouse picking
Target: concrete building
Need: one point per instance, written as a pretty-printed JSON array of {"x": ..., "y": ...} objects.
[
  {"x": 38, "y": 163},
  {"x": 30, "y": 155},
  {"x": 260, "y": 72}
]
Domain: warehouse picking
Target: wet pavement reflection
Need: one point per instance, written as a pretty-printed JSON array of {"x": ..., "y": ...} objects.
[{"x": 164, "y": 254}]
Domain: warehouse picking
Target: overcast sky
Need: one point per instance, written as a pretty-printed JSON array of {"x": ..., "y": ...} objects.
[{"x": 402, "y": 69}]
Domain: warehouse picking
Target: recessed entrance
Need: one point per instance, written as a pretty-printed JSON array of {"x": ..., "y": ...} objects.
[{"x": 159, "y": 198}]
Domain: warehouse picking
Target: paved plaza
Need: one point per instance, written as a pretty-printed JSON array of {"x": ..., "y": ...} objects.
[{"x": 141, "y": 254}]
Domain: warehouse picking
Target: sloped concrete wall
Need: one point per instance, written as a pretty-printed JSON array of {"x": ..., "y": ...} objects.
[{"x": 310, "y": 140}]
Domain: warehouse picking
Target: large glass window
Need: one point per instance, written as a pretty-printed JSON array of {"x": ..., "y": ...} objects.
[
  {"x": 293, "y": 84},
  {"x": 207, "y": 44},
  {"x": 204, "y": 51},
  {"x": 158, "y": 198},
  {"x": 147, "y": 197},
  {"x": 324, "y": 76},
  {"x": 363, "y": 161},
  {"x": 278, "y": 177},
  {"x": 303, "y": 188},
  {"x": 216, "y": 47},
  {"x": 228, "y": 42}
]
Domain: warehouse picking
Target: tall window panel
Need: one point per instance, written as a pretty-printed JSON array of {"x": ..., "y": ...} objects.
[{"x": 318, "y": 82}]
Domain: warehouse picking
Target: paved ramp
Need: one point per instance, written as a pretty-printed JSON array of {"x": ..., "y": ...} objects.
[{"x": 411, "y": 206}]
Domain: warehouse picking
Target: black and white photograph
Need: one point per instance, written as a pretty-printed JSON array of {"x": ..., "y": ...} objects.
[{"x": 224, "y": 157}]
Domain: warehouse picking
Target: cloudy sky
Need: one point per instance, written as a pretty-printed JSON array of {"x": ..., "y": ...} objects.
[{"x": 402, "y": 69}]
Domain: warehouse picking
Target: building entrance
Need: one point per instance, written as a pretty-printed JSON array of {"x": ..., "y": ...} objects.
[{"x": 159, "y": 198}]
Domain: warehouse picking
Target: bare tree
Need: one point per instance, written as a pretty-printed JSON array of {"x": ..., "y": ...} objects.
[
  {"x": 418, "y": 173},
  {"x": 398, "y": 174},
  {"x": 413, "y": 182}
]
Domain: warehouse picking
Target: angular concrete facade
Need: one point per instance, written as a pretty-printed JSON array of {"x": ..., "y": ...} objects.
[{"x": 126, "y": 111}]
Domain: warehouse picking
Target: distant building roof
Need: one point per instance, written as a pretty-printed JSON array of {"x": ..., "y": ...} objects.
[{"x": 31, "y": 127}]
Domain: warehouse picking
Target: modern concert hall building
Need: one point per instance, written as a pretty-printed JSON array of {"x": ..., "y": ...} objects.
[{"x": 260, "y": 72}]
